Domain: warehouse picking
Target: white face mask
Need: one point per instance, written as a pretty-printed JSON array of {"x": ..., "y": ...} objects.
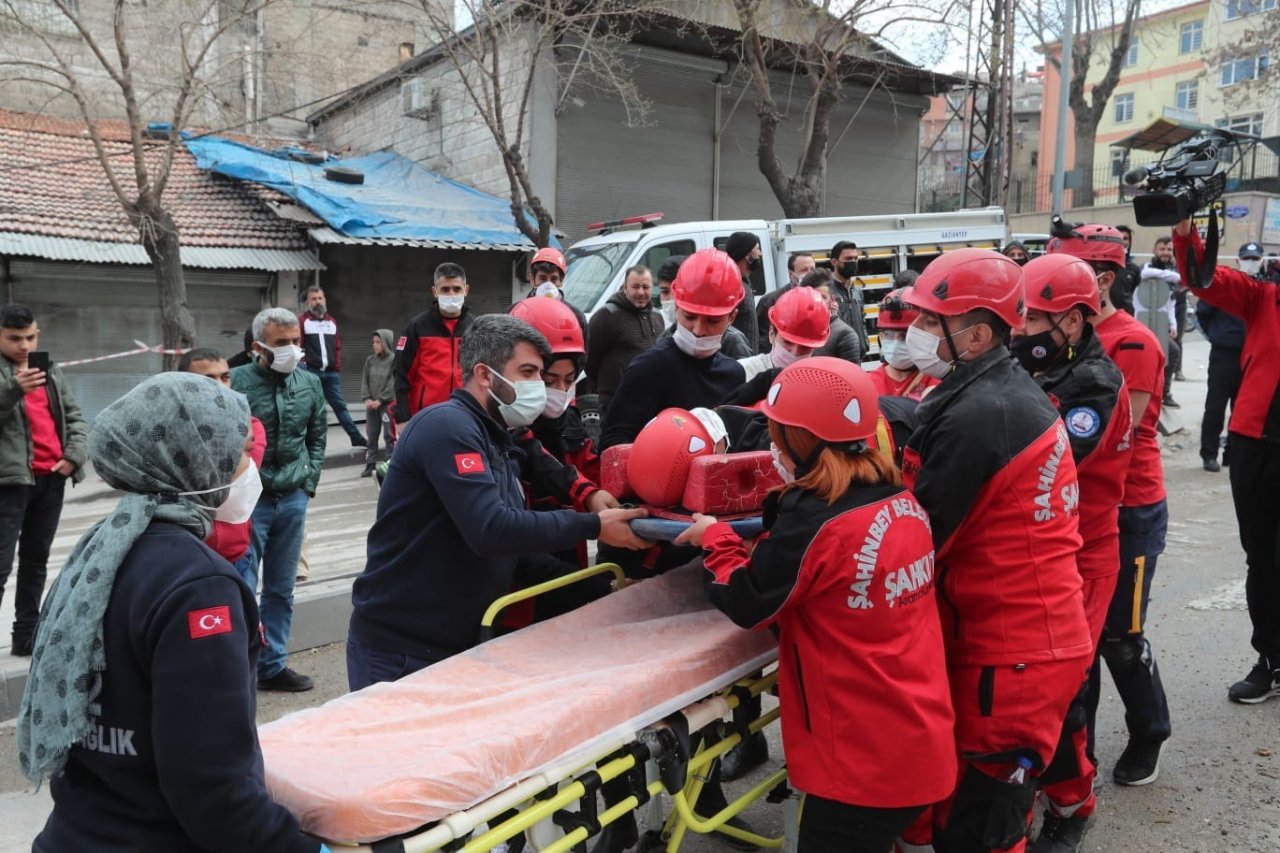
[
  {"x": 781, "y": 356},
  {"x": 557, "y": 402},
  {"x": 692, "y": 345},
  {"x": 787, "y": 476},
  {"x": 922, "y": 347},
  {"x": 550, "y": 289},
  {"x": 895, "y": 354},
  {"x": 284, "y": 359},
  {"x": 1250, "y": 266},
  {"x": 668, "y": 310},
  {"x": 531, "y": 399},
  {"x": 242, "y": 496},
  {"x": 451, "y": 306}
]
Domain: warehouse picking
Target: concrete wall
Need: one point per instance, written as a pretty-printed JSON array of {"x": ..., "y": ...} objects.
[
  {"x": 294, "y": 52},
  {"x": 454, "y": 142}
]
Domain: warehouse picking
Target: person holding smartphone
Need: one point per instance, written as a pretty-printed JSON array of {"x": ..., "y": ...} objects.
[{"x": 42, "y": 445}]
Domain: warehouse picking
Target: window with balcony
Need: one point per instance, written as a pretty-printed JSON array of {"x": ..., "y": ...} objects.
[
  {"x": 1191, "y": 36},
  {"x": 1187, "y": 95},
  {"x": 1123, "y": 108},
  {"x": 1242, "y": 68}
]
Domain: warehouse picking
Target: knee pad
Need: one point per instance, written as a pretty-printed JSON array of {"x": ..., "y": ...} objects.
[{"x": 987, "y": 814}]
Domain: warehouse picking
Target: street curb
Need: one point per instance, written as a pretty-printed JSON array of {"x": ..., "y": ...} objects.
[{"x": 321, "y": 612}]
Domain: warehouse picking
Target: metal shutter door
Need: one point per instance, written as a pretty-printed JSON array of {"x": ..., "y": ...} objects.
[
  {"x": 606, "y": 170},
  {"x": 88, "y": 310}
]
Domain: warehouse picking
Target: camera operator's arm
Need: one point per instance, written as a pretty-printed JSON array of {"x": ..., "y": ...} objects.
[{"x": 1229, "y": 289}]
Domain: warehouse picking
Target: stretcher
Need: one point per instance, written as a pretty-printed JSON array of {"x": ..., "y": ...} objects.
[{"x": 516, "y": 736}]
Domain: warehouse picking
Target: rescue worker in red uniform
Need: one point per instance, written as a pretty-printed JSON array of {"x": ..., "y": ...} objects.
[
  {"x": 991, "y": 464},
  {"x": 1255, "y": 446},
  {"x": 898, "y": 375},
  {"x": 1143, "y": 517},
  {"x": 427, "y": 354},
  {"x": 799, "y": 323},
  {"x": 844, "y": 575},
  {"x": 1062, "y": 353}
]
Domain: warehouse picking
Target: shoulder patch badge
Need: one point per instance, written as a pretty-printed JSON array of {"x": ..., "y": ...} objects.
[
  {"x": 1083, "y": 422},
  {"x": 469, "y": 463}
]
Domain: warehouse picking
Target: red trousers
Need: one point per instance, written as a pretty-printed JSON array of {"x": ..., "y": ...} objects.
[
  {"x": 1072, "y": 769},
  {"x": 1002, "y": 713}
]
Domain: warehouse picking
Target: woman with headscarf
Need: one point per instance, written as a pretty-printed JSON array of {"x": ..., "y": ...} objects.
[{"x": 140, "y": 702}]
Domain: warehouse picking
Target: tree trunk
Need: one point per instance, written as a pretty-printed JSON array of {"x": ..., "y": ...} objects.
[
  {"x": 1085, "y": 135},
  {"x": 160, "y": 240}
]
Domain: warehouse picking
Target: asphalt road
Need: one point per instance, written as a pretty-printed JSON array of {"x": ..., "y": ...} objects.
[{"x": 1219, "y": 787}]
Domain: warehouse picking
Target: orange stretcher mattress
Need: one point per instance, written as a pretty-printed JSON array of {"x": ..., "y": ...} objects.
[{"x": 393, "y": 757}]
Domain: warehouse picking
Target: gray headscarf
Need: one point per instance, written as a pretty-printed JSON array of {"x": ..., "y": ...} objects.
[{"x": 173, "y": 433}]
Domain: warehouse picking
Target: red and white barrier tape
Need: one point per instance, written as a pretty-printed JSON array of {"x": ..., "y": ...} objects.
[{"x": 142, "y": 348}]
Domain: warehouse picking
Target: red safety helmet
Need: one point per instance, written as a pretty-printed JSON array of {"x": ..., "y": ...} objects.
[
  {"x": 1058, "y": 283},
  {"x": 709, "y": 282},
  {"x": 555, "y": 257},
  {"x": 895, "y": 313},
  {"x": 1091, "y": 243},
  {"x": 832, "y": 398},
  {"x": 662, "y": 454},
  {"x": 800, "y": 315},
  {"x": 555, "y": 321},
  {"x": 966, "y": 279}
]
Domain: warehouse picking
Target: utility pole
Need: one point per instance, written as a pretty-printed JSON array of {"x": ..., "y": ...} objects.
[
  {"x": 1064, "y": 96},
  {"x": 989, "y": 151}
]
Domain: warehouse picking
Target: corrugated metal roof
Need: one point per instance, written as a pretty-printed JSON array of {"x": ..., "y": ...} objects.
[
  {"x": 199, "y": 257},
  {"x": 327, "y": 235}
]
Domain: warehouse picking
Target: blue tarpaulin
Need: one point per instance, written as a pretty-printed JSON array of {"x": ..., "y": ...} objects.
[{"x": 398, "y": 200}]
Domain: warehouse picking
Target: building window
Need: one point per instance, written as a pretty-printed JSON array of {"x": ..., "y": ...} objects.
[
  {"x": 40, "y": 15},
  {"x": 1243, "y": 68},
  {"x": 1191, "y": 36},
  {"x": 1240, "y": 8},
  {"x": 1187, "y": 95},
  {"x": 1123, "y": 108},
  {"x": 1250, "y": 124},
  {"x": 1131, "y": 58}
]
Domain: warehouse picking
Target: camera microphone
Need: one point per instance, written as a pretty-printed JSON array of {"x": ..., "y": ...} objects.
[{"x": 1134, "y": 177}]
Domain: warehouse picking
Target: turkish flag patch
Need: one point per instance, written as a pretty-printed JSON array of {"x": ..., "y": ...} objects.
[
  {"x": 404, "y": 339},
  {"x": 469, "y": 463},
  {"x": 210, "y": 621}
]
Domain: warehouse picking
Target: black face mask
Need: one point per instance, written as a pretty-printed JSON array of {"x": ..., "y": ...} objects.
[
  {"x": 849, "y": 269},
  {"x": 1038, "y": 352},
  {"x": 754, "y": 263}
]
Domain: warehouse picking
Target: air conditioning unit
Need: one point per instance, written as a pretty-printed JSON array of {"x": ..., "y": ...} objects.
[{"x": 418, "y": 99}]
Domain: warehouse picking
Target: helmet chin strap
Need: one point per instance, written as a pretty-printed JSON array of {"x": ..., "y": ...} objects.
[{"x": 951, "y": 345}]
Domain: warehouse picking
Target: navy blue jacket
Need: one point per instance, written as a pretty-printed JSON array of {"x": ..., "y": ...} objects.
[
  {"x": 1222, "y": 329},
  {"x": 173, "y": 764},
  {"x": 664, "y": 377},
  {"x": 452, "y": 523}
]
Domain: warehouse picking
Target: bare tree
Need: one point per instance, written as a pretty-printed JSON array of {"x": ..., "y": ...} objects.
[
  {"x": 496, "y": 53},
  {"x": 832, "y": 44},
  {"x": 1250, "y": 84},
  {"x": 1104, "y": 31},
  {"x": 139, "y": 178}
]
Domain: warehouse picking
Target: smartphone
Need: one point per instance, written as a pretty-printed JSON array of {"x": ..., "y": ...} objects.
[{"x": 38, "y": 361}]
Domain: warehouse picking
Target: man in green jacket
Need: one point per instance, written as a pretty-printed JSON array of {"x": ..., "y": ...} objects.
[
  {"x": 42, "y": 445},
  {"x": 290, "y": 404}
]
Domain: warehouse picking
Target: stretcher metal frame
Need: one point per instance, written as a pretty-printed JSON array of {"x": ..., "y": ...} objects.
[{"x": 675, "y": 755}]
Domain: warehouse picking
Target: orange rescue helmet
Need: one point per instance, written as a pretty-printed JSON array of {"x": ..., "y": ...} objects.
[
  {"x": 964, "y": 280},
  {"x": 830, "y": 397},
  {"x": 709, "y": 283},
  {"x": 800, "y": 315},
  {"x": 1058, "y": 283},
  {"x": 556, "y": 322}
]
